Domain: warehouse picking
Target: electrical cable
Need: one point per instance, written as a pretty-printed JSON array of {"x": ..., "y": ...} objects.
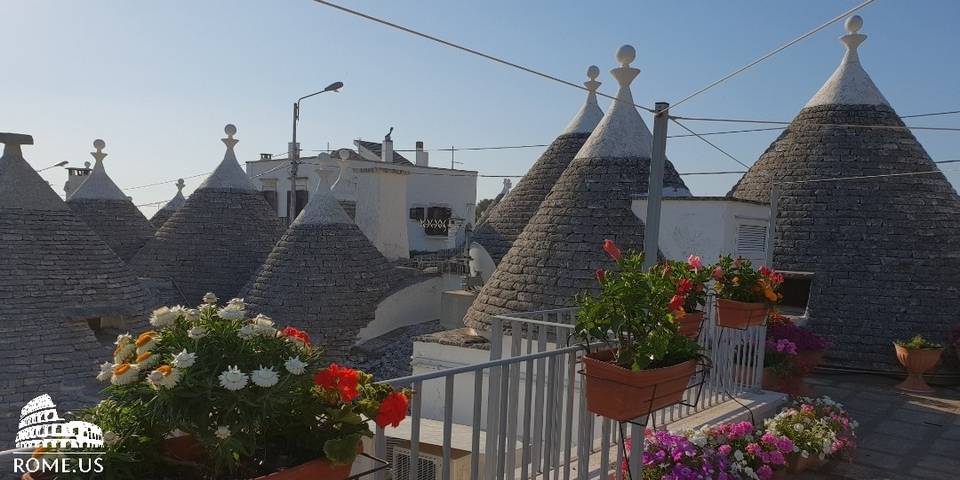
[
  {"x": 708, "y": 142},
  {"x": 772, "y": 53},
  {"x": 472, "y": 51}
]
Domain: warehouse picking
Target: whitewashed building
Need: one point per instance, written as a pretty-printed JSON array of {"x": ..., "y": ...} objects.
[{"x": 388, "y": 196}]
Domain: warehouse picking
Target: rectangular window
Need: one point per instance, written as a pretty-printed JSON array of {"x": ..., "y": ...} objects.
[
  {"x": 268, "y": 188},
  {"x": 752, "y": 242},
  {"x": 437, "y": 221},
  {"x": 416, "y": 213},
  {"x": 302, "y": 196}
]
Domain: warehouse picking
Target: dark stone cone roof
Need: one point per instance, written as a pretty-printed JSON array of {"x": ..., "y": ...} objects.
[
  {"x": 884, "y": 251},
  {"x": 502, "y": 225},
  {"x": 57, "y": 273},
  {"x": 161, "y": 217},
  {"x": 118, "y": 222},
  {"x": 213, "y": 243},
  {"x": 327, "y": 279},
  {"x": 556, "y": 255}
]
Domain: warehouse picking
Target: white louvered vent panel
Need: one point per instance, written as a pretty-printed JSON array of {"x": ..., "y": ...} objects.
[
  {"x": 752, "y": 242},
  {"x": 430, "y": 465}
]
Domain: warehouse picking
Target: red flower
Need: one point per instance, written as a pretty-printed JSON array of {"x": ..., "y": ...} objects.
[
  {"x": 341, "y": 379},
  {"x": 393, "y": 410},
  {"x": 296, "y": 335},
  {"x": 601, "y": 275},
  {"x": 776, "y": 278},
  {"x": 765, "y": 271},
  {"x": 684, "y": 286},
  {"x": 718, "y": 273},
  {"x": 676, "y": 303},
  {"x": 695, "y": 262},
  {"x": 612, "y": 250}
]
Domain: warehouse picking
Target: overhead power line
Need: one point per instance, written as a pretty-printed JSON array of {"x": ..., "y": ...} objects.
[
  {"x": 470, "y": 50},
  {"x": 708, "y": 142},
  {"x": 772, "y": 53}
]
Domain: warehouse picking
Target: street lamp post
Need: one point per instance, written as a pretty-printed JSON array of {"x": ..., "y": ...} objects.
[{"x": 294, "y": 152}]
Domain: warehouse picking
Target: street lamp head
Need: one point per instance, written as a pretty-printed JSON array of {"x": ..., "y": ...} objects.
[{"x": 335, "y": 86}]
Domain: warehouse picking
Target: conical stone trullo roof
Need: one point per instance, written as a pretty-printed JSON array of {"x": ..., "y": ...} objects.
[
  {"x": 57, "y": 275},
  {"x": 324, "y": 276},
  {"x": 216, "y": 240},
  {"x": 501, "y": 226},
  {"x": 884, "y": 251},
  {"x": 556, "y": 255},
  {"x": 103, "y": 206},
  {"x": 164, "y": 214}
]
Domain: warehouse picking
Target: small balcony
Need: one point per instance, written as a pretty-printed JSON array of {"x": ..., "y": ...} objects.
[{"x": 522, "y": 413}]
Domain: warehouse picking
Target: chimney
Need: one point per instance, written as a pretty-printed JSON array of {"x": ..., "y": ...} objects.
[
  {"x": 386, "y": 154},
  {"x": 423, "y": 158},
  {"x": 266, "y": 156}
]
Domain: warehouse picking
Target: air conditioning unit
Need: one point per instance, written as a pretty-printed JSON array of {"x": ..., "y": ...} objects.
[{"x": 430, "y": 466}]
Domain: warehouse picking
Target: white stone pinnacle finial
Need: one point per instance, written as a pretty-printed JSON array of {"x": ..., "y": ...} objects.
[
  {"x": 231, "y": 130},
  {"x": 592, "y": 84},
  {"x": 853, "y": 38},
  {"x": 99, "y": 145},
  {"x": 180, "y": 185},
  {"x": 625, "y": 73},
  {"x": 854, "y": 24}
]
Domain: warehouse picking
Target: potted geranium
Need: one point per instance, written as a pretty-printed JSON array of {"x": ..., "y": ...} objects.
[
  {"x": 744, "y": 295},
  {"x": 917, "y": 355},
  {"x": 690, "y": 295},
  {"x": 779, "y": 366},
  {"x": 644, "y": 363},
  {"x": 210, "y": 393}
]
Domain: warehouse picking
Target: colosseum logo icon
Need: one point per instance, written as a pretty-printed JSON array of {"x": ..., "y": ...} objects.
[{"x": 42, "y": 426}]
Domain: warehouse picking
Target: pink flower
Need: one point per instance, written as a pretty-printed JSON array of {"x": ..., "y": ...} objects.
[
  {"x": 777, "y": 457},
  {"x": 718, "y": 273},
  {"x": 807, "y": 408},
  {"x": 765, "y": 472},
  {"x": 769, "y": 438},
  {"x": 753, "y": 448},
  {"x": 784, "y": 445},
  {"x": 694, "y": 262},
  {"x": 725, "y": 450}
]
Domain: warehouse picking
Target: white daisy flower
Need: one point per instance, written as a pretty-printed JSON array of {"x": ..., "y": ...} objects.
[
  {"x": 124, "y": 353},
  {"x": 263, "y": 326},
  {"x": 163, "y": 317},
  {"x": 106, "y": 371},
  {"x": 738, "y": 455},
  {"x": 233, "y": 311},
  {"x": 179, "y": 311},
  {"x": 184, "y": 359},
  {"x": 165, "y": 376},
  {"x": 146, "y": 341},
  {"x": 146, "y": 360},
  {"x": 210, "y": 298},
  {"x": 295, "y": 366},
  {"x": 124, "y": 374},
  {"x": 233, "y": 379},
  {"x": 247, "y": 331},
  {"x": 123, "y": 339},
  {"x": 264, "y": 377},
  {"x": 197, "y": 332},
  {"x": 222, "y": 433},
  {"x": 192, "y": 315}
]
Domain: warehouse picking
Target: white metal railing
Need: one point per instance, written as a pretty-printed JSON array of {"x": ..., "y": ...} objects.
[{"x": 525, "y": 409}]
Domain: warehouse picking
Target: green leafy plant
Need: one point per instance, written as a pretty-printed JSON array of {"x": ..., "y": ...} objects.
[
  {"x": 918, "y": 342},
  {"x": 633, "y": 310},
  {"x": 736, "y": 279},
  {"x": 250, "y": 397}
]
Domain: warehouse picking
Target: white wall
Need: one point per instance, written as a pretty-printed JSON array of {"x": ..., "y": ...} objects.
[
  {"x": 705, "y": 226},
  {"x": 411, "y": 305},
  {"x": 381, "y": 215},
  {"x": 426, "y": 187}
]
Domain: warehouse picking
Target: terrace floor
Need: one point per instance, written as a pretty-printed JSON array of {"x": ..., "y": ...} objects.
[{"x": 901, "y": 435}]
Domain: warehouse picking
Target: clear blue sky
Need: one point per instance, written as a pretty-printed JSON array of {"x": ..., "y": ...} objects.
[{"x": 158, "y": 80}]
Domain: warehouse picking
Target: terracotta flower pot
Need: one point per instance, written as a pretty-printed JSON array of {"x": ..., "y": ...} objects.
[
  {"x": 690, "y": 324},
  {"x": 734, "y": 314},
  {"x": 790, "y": 384},
  {"x": 314, "y": 469},
  {"x": 620, "y": 394},
  {"x": 917, "y": 361},
  {"x": 810, "y": 464}
]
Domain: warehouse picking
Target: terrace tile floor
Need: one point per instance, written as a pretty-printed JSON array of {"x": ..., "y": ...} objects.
[{"x": 901, "y": 435}]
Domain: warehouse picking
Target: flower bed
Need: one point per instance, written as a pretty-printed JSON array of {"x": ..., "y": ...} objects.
[{"x": 806, "y": 429}]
